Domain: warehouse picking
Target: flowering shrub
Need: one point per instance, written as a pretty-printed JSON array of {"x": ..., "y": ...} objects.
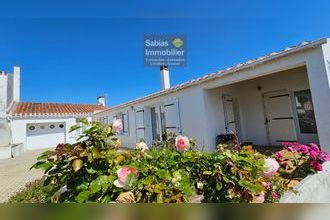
[
  {"x": 302, "y": 160},
  {"x": 95, "y": 170}
]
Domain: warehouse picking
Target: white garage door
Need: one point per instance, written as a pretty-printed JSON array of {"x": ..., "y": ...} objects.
[{"x": 44, "y": 135}]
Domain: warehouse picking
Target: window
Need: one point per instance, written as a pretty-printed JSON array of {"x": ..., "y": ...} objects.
[
  {"x": 32, "y": 128},
  {"x": 51, "y": 126},
  {"x": 61, "y": 126},
  {"x": 305, "y": 111},
  {"x": 125, "y": 123}
]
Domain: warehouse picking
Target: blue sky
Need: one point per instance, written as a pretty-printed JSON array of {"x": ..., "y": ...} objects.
[{"x": 73, "y": 51}]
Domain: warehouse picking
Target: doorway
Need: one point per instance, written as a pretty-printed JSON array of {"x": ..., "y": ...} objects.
[
  {"x": 231, "y": 113},
  {"x": 279, "y": 118}
]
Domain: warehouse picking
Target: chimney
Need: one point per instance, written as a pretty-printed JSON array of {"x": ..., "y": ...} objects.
[
  {"x": 16, "y": 84},
  {"x": 165, "y": 77},
  {"x": 101, "y": 100}
]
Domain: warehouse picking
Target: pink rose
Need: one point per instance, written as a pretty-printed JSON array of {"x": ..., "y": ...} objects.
[
  {"x": 117, "y": 125},
  {"x": 316, "y": 166},
  {"x": 260, "y": 198},
  {"x": 122, "y": 174},
  {"x": 271, "y": 167},
  {"x": 181, "y": 143}
]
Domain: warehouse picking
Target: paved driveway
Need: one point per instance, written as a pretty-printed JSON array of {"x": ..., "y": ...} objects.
[{"x": 15, "y": 173}]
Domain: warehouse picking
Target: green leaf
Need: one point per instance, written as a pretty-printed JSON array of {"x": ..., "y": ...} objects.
[
  {"x": 106, "y": 199},
  {"x": 95, "y": 186},
  {"x": 160, "y": 198},
  {"x": 74, "y": 127},
  {"x": 206, "y": 172},
  {"x": 82, "y": 187},
  {"x": 84, "y": 121},
  {"x": 255, "y": 188},
  {"x": 82, "y": 196},
  {"x": 104, "y": 182},
  {"x": 131, "y": 180},
  {"x": 218, "y": 186},
  {"x": 90, "y": 170}
]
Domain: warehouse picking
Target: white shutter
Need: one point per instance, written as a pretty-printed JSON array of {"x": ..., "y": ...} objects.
[
  {"x": 139, "y": 124},
  {"x": 172, "y": 116}
]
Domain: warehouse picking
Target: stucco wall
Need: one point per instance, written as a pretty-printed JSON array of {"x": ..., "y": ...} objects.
[
  {"x": 201, "y": 107},
  {"x": 251, "y": 100}
]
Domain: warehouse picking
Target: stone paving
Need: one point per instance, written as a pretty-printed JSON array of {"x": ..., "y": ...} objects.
[{"x": 15, "y": 173}]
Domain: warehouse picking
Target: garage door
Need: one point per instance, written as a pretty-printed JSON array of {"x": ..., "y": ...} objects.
[{"x": 44, "y": 135}]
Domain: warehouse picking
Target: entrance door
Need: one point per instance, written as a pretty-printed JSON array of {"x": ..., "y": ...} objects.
[
  {"x": 279, "y": 117},
  {"x": 230, "y": 122}
]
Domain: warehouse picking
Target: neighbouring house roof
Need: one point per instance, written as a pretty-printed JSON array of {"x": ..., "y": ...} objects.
[
  {"x": 235, "y": 68},
  {"x": 23, "y": 109}
]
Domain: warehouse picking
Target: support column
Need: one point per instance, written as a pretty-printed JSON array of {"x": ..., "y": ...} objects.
[{"x": 318, "y": 69}]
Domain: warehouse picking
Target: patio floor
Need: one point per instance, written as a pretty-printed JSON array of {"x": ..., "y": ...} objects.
[{"x": 15, "y": 173}]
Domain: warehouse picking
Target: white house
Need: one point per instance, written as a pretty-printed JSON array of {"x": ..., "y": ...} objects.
[
  {"x": 30, "y": 126},
  {"x": 282, "y": 96}
]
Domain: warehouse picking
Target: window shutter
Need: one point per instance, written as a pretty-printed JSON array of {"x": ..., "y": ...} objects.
[
  {"x": 172, "y": 116},
  {"x": 139, "y": 124}
]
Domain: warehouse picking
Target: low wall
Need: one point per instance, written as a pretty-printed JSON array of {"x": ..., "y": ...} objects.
[{"x": 313, "y": 189}]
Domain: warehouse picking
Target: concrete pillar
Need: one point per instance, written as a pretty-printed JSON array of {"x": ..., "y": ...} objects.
[{"x": 318, "y": 69}]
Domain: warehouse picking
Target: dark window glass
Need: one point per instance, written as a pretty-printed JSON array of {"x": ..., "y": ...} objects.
[
  {"x": 305, "y": 111},
  {"x": 32, "y": 128},
  {"x": 61, "y": 126}
]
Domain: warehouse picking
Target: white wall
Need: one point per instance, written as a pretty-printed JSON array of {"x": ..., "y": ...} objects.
[
  {"x": 201, "y": 109},
  {"x": 19, "y": 127},
  {"x": 251, "y": 100}
]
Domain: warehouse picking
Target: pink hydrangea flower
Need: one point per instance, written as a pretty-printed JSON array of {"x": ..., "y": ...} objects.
[
  {"x": 316, "y": 166},
  {"x": 313, "y": 154},
  {"x": 303, "y": 149},
  {"x": 323, "y": 156},
  {"x": 271, "y": 167},
  {"x": 260, "y": 198},
  {"x": 117, "y": 125},
  {"x": 122, "y": 174},
  {"x": 181, "y": 143}
]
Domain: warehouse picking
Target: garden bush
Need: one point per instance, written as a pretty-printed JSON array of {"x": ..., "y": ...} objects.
[{"x": 97, "y": 169}]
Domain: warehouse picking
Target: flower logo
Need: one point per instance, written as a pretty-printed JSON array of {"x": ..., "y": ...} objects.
[{"x": 177, "y": 42}]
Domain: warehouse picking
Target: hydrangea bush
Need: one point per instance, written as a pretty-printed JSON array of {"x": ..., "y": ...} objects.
[
  {"x": 97, "y": 169},
  {"x": 299, "y": 160}
]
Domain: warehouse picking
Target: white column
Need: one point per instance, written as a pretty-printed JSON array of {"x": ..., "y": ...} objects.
[
  {"x": 318, "y": 69},
  {"x": 17, "y": 84}
]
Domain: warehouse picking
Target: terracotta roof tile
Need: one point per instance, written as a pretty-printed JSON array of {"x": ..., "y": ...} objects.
[{"x": 47, "y": 109}]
